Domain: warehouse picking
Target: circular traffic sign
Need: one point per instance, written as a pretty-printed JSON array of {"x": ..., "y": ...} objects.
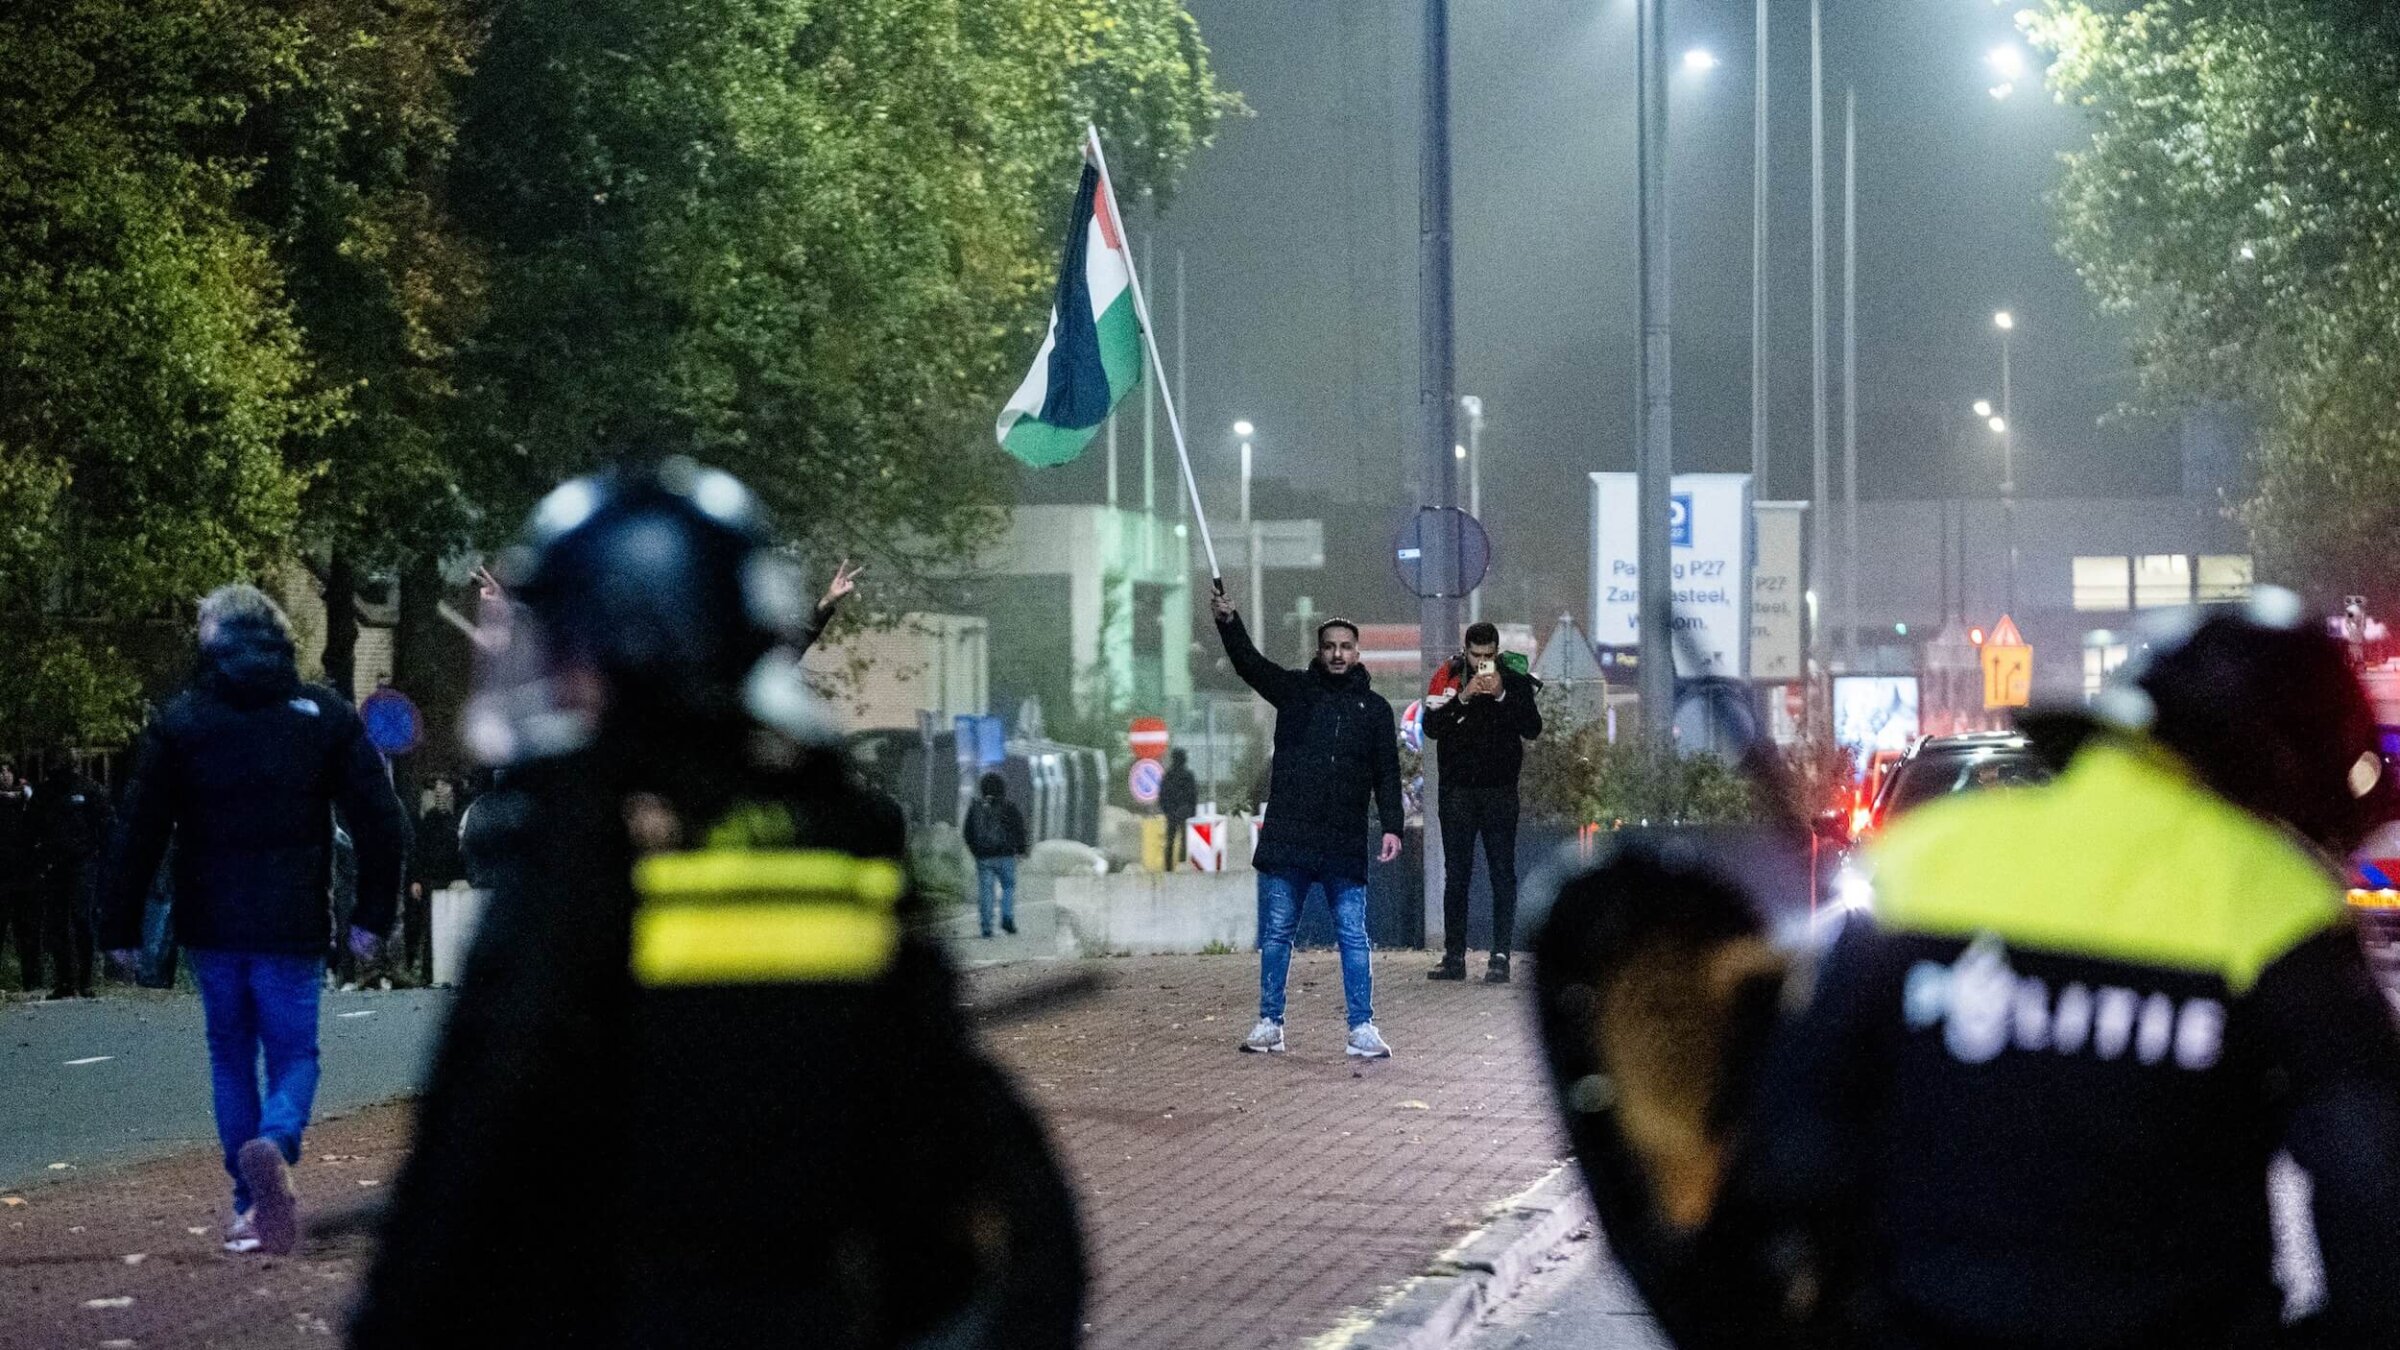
[
  {"x": 394, "y": 726},
  {"x": 1441, "y": 553},
  {"x": 1147, "y": 736},
  {"x": 1144, "y": 779}
]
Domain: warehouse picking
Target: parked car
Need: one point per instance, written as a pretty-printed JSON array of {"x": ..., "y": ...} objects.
[{"x": 1939, "y": 766}]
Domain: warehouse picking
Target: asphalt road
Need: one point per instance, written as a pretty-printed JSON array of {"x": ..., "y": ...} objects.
[{"x": 122, "y": 1078}]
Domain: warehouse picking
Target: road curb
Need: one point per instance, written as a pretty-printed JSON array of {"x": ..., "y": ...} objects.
[{"x": 1436, "y": 1309}]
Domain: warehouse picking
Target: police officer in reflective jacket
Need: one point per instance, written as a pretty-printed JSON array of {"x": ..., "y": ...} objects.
[
  {"x": 2033, "y": 1099},
  {"x": 706, "y": 1083}
]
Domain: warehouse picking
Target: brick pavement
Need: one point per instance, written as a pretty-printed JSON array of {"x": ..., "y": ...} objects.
[{"x": 1229, "y": 1200}]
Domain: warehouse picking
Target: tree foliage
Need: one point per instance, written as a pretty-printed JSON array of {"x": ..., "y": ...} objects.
[
  {"x": 2240, "y": 204},
  {"x": 808, "y": 240},
  {"x": 150, "y": 370},
  {"x": 359, "y": 279}
]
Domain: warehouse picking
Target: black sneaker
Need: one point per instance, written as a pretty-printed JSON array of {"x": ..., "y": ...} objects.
[
  {"x": 1497, "y": 971},
  {"x": 1008, "y": 926},
  {"x": 1451, "y": 968}
]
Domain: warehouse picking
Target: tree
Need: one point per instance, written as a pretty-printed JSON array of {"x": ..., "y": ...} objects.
[
  {"x": 351, "y": 156},
  {"x": 152, "y": 372},
  {"x": 2239, "y": 203},
  {"x": 808, "y": 240}
]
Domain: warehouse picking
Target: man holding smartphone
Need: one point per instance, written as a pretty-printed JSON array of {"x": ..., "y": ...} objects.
[{"x": 1480, "y": 711}]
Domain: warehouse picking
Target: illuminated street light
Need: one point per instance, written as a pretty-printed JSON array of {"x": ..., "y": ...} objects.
[
  {"x": 2004, "y": 321},
  {"x": 1700, "y": 60},
  {"x": 1460, "y": 452},
  {"x": 1999, "y": 426},
  {"x": 1983, "y": 407},
  {"x": 1243, "y": 428},
  {"x": 2009, "y": 60}
]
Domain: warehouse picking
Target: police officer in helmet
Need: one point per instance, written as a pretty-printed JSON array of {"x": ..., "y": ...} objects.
[
  {"x": 705, "y": 1083},
  {"x": 2033, "y": 1099}
]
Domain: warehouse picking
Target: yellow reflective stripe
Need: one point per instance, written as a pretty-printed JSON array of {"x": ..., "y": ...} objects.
[
  {"x": 727, "y": 874},
  {"x": 761, "y": 943}
]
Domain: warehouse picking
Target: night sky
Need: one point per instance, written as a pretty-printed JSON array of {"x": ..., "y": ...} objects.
[{"x": 1299, "y": 232}]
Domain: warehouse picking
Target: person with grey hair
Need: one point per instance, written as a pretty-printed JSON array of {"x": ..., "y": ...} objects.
[{"x": 243, "y": 771}]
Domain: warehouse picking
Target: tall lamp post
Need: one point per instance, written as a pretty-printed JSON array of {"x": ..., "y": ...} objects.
[
  {"x": 1245, "y": 430},
  {"x": 2006, "y": 322}
]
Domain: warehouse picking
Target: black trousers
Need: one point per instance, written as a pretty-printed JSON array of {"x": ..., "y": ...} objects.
[
  {"x": 68, "y": 895},
  {"x": 1175, "y": 826},
  {"x": 1468, "y": 814}
]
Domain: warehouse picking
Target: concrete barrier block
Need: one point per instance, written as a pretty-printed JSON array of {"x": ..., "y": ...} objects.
[{"x": 1148, "y": 913}]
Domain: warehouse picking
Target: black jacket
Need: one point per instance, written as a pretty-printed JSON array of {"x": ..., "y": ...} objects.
[
  {"x": 71, "y": 820},
  {"x": 1012, "y": 841},
  {"x": 18, "y": 865},
  {"x": 829, "y": 1162},
  {"x": 1178, "y": 794},
  {"x": 243, "y": 771},
  {"x": 435, "y": 858},
  {"x": 1335, "y": 745},
  {"x": 1483, "y": 739}
]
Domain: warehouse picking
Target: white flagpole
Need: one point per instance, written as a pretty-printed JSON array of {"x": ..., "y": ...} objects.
[{"x": 1158, "y": 369}]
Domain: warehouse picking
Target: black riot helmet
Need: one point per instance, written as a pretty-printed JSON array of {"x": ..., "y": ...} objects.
[
  {"x": 2262, "y": 704},
  {"x": 645, "y": 603}
]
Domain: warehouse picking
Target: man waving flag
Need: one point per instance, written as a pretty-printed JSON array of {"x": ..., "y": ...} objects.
[{"x": 1092, "y": 357}]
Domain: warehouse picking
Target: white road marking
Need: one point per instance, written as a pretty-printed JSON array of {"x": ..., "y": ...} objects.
[
  {"x": 368, "y": 1012},
  {"x": 92, "y": 1059}
]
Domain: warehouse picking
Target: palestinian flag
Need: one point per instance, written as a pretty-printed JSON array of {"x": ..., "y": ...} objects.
[{"x": 1092, "y": 357}]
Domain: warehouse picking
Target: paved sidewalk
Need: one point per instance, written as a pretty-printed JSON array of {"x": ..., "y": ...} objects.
[{"x": 1229, "y": 1200}]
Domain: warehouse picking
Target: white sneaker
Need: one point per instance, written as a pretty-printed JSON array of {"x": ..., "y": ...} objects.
[
  {"x": 1266, "y": 1038},
  {"x": 241, "y": 1236},
  {"x": 1367, "y": 1043}
]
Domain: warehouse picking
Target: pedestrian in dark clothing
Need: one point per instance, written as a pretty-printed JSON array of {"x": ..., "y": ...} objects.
[
  {"x": 1336, "y": 745},
  {"x": 71, "y": 821},
  {"x": 1479, "y": 712},
  {"x": 20, "y": 902},
  {"x": 1178, "y": 799},
  {"x": 244, "y": 770},
  {"x": 996, "y": 835},
  {"x": 434, "y": 863},
  {"x": 845, "y": 580}
]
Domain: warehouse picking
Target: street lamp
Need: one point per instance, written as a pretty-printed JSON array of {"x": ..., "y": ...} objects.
[
  {"x": 2004, "y": 425},
  {"x": 1245, "y": 430},
  {"x": 1700, "y": 60},
  {"x": 1983, "y": 407}
]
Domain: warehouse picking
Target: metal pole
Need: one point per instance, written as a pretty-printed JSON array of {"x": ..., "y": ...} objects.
[
  {"x": 1183, "y": 389},
  {"x": 1850, "y": 372},
  {"x": 1654, "y": 454},
  {"x": 1437, "y": 616},
  {"x": 1245, "y": 482},
  {"x": 1758, "y": 267},
  {"x": 1819, "y": 488},
  {"x": 1150, "y": 410},
  {"x": 1473, "y": 407},
  {"x": 1112, "y": 461},
  {"x": 2008, "y": 464}
]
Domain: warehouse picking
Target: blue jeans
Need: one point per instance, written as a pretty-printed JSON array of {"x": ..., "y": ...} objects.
[
  {"x": 258, "y": 1002},
  {"x": 1279, "y": 897},
  {"x": 996, "y": 874}
]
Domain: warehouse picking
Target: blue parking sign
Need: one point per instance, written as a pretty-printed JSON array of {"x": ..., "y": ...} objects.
[{"x": 1679, "y": 520}]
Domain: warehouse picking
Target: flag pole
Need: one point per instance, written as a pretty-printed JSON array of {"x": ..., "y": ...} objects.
[{"x": 1158, "y": 369}]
